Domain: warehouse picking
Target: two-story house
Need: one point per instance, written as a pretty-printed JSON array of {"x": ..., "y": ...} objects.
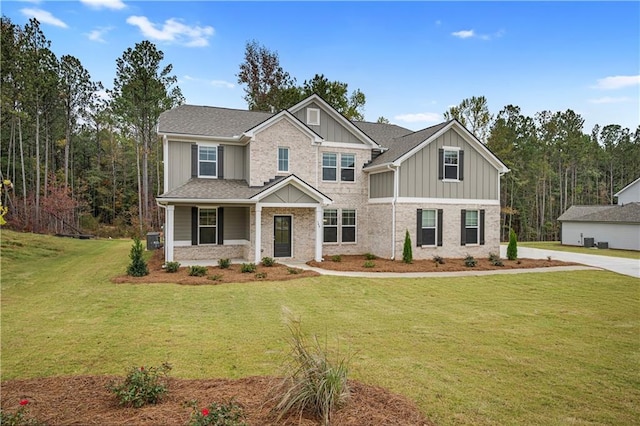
[{"x": 307, "y": 182}]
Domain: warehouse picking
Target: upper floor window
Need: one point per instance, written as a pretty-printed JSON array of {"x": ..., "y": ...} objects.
[
  {"x": 329, "y": 166},
  {"x": 207, "y": 226},
  {"x": 207, "y": 161},
  {"x": 283, "y": 159},
  {"x": 450, "y": 163},
  {"x": 313, "y": 116},
  {"x": 347, "y": 167}
]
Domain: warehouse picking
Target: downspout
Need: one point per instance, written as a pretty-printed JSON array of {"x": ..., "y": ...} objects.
[
  {"x": 393, "y": 210},
  {"x": 163, "y": 207}
]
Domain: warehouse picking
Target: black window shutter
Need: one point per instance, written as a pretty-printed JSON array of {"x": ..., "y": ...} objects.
[
  {"x": 440, "y": 225},
  {"x": 194, "y": 226},
  {"x": 463, "y": 227},
  {"x": 419, "y": 229},
  {"x": 194, "y": 160},
  {"x": 440, "y": 163},
  {"x": 481, "y": 224},
  {"x": 220, "y": 162},
  {"x": 461, "y": 165},
  {"x": 220, "y": 225}
]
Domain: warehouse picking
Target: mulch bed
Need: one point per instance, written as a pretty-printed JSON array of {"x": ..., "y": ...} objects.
[{"x": 85, "y": 400}]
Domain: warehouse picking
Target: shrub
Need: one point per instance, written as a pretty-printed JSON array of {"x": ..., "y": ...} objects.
[
  {"x": 369, "y": 264},
  {"x": 261, "y": 275},
  {"x": 248, "y": 267},
  {"x": 215, "y": 277},
  {"x": 142, "y": 386},
  {"x": 512, "y": 248},
  {"x": 224, "y": 263},
  {"x": 228, "y": 414},
  {"x": 20, "y": 417},
  {"x": 293, "y": 271},
  {"x": 268, "y": 261},
  {"x": 370, "y": 256},
  {"x": 197, "y": 271},
  {"x": 314, "y": 383},
  {"x": 336, "y": 258},
  {"x": 407, "y": 252},
  {"x": 470, "y": 261},
  {"x": 438, "y": 260},
  {"x": 495, "y": 259},
  {"x": 172, "y": 266},
  {"x": 138, "y": 266}
]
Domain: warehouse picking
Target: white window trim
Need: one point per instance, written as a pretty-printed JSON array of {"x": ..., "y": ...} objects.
[
  {"x": 313, "y": 113},
  {"x": 337, "y": 226},
  {"x": 288, "y": 159},
  {"x": 444, "y": 164},
  {"x": 337, "y": 179},
  {"x": 355, "y": 226},
  {"x": 477, "y": 228},
  {"x": 435, "y": 240},
  {"x": 208, "y": 226},
  {"x": 208, "y": 145},
  {"x": 355, "y": 159}
]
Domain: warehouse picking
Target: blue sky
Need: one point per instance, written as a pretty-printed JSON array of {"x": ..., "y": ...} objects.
[{"x": 412, "y": 60}]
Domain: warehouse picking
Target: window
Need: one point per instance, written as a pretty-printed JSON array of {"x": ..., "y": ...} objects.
[
  {"x": 428, "y": 227},
  {"x": 283, "y": 159},
  {"x": 329, "y": 166},
  {"x": 471, "y": 227},
  {"x": 450, "y": 164},
  {"x": 348, "y": 226},
  {"x": 330, "y": 224},
  {"x": 313, "y": 116},
  {"x": 207, "y": 161},
  {"x": 207, "y": 224},
  {"x": 347, "y": 167}
]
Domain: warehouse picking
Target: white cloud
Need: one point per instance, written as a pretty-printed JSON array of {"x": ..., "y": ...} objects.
[
  {"x": 214, "y": 83},
  {"x": 617, "y": 82},
  {"x": 422, "y": 117},
  {"x": 104, "y": 4},
  {"x": 609, "y": 100},
  {"x": 464, "y": 34},
  {"x": 98, "y": 34},
  {"x": 43, "y": 17},
  {"x": 173, "y": 31}
]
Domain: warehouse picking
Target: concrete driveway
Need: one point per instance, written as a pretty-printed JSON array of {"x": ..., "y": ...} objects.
[{"x": 620, "y": 265}]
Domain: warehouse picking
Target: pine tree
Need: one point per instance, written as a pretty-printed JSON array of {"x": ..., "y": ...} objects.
[
  {"x": 512, "y": 248},
  {"x": 407, "y": 253},
  {"x": 138, "y": 266}
]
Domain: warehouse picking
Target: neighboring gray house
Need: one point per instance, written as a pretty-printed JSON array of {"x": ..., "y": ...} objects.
[
  {"x": 307, "y": 182},
  {"x": 617, "y": 225}
]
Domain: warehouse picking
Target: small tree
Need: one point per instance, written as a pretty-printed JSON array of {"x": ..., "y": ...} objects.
[
  {"x": 512, "y": 248},
  {"x": 407, "y": 253},
  {"x": 138, "y": 266}
]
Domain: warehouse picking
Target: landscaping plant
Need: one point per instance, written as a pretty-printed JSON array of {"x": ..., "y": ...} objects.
[
  {"x": 224, "y": 263},
  {"x": 407, "y": 253},
  {"x": 228, "y": 414},
  {"x": 172, "y": 267},
  {"x": 138, "y": 266},
  {"x": 470, "y": 261},
  {"x": 512, "y": 248},
  {"x": 197, "y": 271},
  {"x": 143, "y": 385},
  {"x": 268, "y": 261},
  {"x": 20, "y": 417},
  {"x": 248, "y": 267}
]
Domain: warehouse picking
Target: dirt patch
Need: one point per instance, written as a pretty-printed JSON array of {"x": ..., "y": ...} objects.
[
  {"x": 85, "y": 400},
  {"x": 357, "y": 263}
]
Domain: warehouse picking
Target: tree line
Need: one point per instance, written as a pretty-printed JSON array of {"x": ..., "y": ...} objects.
[{"x": 85, "y": 159}]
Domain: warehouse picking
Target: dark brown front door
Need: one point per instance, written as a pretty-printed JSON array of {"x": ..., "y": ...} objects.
[{"x": 282, "y": 236}]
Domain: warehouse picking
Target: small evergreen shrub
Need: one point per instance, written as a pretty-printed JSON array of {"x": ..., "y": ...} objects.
[
  {"x": 369, "y": 264},
  {"x": 293, "y": 271},
  {"x": 407, "y": 251},
  {"x": 172, "y": 267},
  {"x": 512, "y": 248},
  {"x": 227, "y": 414},
  {"x": 248, "y": 268},
  {"x": 224, "y": 263},
  {"x": 438, "y": 260},
  {"x": 470, "y": 261},
  {"x": 370, "y": 256},
  {"x": 268, "y": 261},
  {"x": 215, "y": 277},
  {"x": 138, "y": 266},
  {"x": 336, "y": 258},
  {"x": 197, "y": 271},
  {"x": 261, "y": 275},
  {"x": 495, "y": 259},
  {"x": 143, "y": 385}
]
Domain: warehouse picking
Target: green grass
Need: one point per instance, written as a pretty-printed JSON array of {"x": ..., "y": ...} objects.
[
  {"x": 555, "y": 245},
  {"x": 547, "y": 348}
]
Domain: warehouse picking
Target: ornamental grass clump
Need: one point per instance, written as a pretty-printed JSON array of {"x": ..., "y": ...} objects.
[
  {"x": 143, "y": 385},
  {"x": 138, "y": 266},
  {"x": 314, "y": 384}
]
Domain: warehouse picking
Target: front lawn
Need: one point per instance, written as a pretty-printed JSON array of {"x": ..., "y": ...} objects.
[
  {"x": 555, "y": 245},
  {"x": 552, "y": 348}
]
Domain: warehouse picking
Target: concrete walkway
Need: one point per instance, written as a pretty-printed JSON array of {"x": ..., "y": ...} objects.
[{"x": 630, "y": 267}]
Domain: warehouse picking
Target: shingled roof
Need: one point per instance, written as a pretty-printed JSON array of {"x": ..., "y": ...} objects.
[
  {"x": 217, "y": 189},
  {"x": 209, "y": 121},
  {"x": 629, "y": 213}
]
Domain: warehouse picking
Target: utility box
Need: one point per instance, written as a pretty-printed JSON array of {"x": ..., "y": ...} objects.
[
  {"x": 153, "y": 240},
  {"x": 603, "y": 244},
  {"x": 589, "y": 242}
]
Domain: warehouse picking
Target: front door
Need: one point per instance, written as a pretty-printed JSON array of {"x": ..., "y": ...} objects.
[{"x": 282, "y": 236}]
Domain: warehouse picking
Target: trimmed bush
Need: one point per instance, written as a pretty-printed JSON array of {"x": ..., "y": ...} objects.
[
  {"x": 470, "y": 261},
  {"x": 172, "y": 267},
  {"x": 197, "y": 271},
  {"x": 248, "y": 267},
  {"x": 142, "y": 386},
  {"x": 370, "y": 256},
  {"x": 512, "y": 248},
  {"x": 224, "y": 263},
  {"x": 407, "y": 251},
  {"x": 495, "y": 259},
  {"x": 268, "y": 261},
  {"x": 138, "y": 266}
]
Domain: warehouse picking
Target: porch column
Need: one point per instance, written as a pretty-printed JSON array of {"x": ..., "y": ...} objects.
[
  {"x": 319, "y": 235},
  {"x": 258, "y": 234},
  {"x": 169, "y": 212}
]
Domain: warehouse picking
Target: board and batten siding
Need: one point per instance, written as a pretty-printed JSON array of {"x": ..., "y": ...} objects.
[
  {"x": 381, "y": 185},
  {"x": 419, "y": 173},
  {"x": 330, "y": 129},
  {"x": 234, "y": 164},
  {"x": 288, "y": 195}
]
